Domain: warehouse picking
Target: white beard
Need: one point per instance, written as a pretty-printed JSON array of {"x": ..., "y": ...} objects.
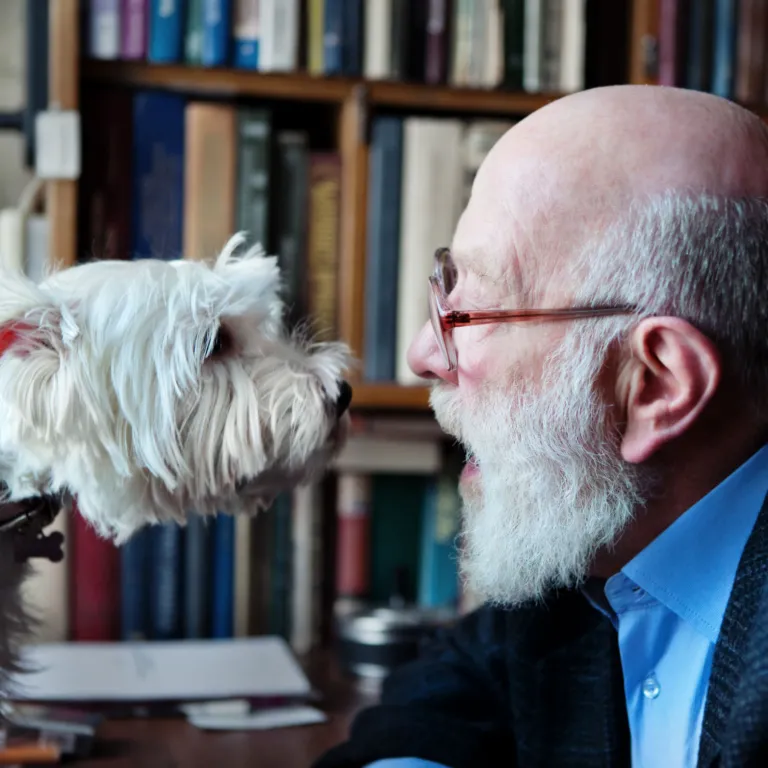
[{"x": 552, "y": 487}]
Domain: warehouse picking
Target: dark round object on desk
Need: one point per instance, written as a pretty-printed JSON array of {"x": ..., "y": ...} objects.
[{"x": 373, "y": 642}]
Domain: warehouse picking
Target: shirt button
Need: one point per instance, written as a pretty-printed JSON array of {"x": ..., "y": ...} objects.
[{"x": 651, "y": 687}]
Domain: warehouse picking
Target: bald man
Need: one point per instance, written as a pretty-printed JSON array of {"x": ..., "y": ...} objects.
[{"x": 599, "y": 345}]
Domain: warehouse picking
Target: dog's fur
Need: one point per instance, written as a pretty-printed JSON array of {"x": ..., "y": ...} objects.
[{"x": 147, "y": 389}]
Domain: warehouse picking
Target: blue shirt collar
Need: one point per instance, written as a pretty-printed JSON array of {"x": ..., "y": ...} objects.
[{"x": 691, "y": 566}]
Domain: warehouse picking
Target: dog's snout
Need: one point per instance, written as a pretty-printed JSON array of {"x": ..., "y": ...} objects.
[{"x": 344, "y": 398}]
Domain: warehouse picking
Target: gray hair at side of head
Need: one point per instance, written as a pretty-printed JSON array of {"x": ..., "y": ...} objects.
[{"x": 700, "y": 257}]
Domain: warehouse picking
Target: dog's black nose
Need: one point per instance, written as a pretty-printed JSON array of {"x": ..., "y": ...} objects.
[{"x": 344, "y": 398}]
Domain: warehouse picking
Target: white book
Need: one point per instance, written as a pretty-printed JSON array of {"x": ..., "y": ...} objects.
[
  {"x": 371, "y": 455},
  {"x": 493, "y": 74},
  {"x": 552, "y": 24},
  {"x": 12, "y": 239},
  {"x": 377, "y": 63},
  {"x": 532, "y": 45},
  {"x": 104, "y": 29},
  {"x": 572, "y": 49},
  {"x": 165, "y": 670},
  {"x": 461, "y": 43},
  {"x": 279, "y": 41},
  {"x": 37, "y": 248},
  {"x": 431, "y": 196}
]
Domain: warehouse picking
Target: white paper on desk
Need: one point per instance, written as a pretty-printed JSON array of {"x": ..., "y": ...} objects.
[
  {"x": 263, "y": 719},
  {"x": 186, "y": 670}
]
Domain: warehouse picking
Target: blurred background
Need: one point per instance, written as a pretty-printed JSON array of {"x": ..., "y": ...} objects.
[{"x": 344, "y": 136}]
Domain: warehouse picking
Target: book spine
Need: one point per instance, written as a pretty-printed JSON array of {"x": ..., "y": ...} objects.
[
  {"x": 196, "y": 583},
  {"x": 282, "y": 566},
  {"x": 217, "y": 16},
  {"x": 323, "y": 242},
  {"x": 158, "y": 167},
  {"x": 223, "y": 573},
  {"x": 724, "y": 61},
  {"x": 210, "y": 173},
  {"x": 104, "y": 29},
  {"x": 135, "y": 586},
  {"x": 166, "y": 583},
  {"x": 353, "y": 538},
  {"x": 290, "y": 228},
  {"x": 436, "y": 65},
  {"x": 514, "y": 30},
  {"x": 166, "y": 31},
  {"x": 254, "y": 173},
  {"x": 193, "y": 35},
  {"x": 333, "y": 37},
  {"x": 383, "y": 236},
  {"x": 133, "y": 27},
  {"x": 246, "y": 34},
  {"x": 352, "y": 38},
  {"x": 439, "y": 577},
  {"x": 95, "y": 585},
  {"x": 315, "y": 29}
]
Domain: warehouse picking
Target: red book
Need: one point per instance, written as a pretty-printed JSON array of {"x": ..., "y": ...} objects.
[
  {"x": 672, "y": 37},
  {"x": 94, "y": 585}
]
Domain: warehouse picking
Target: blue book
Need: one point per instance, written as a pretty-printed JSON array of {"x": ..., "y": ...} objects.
[
  {"x": 439, "y": 573},
  {"x": 196, "y": 588},
  {"x": 223, "y": 572},
  {"x": 382, "y": 249},
  {"x": 166, "y": 31},
  {"x": 724, "y": 54},
  {"x": 165, "y": 581},
  {"x": 134, "y": 586},
  {"x": 217, "y": 24},
  {"x": 157, "y": 206},
  {"x": 352, "y": 38},
  {"x": 246, "y": 37},
  {"x": 333, "y": 37}
]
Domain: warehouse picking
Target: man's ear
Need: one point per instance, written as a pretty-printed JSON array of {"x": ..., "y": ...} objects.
[{"x": 672, "y": 375}]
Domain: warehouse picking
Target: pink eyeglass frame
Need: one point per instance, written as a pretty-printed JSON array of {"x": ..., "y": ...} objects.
[{"x": 444, "y": 320}]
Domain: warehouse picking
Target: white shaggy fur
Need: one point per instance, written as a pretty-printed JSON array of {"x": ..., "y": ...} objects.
[{"x": 147, "y": 389}]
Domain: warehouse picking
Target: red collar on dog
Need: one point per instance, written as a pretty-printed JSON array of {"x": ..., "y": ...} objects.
[
  {"x": 8, "y": 335},
  {"x": 11, "y": 332}
]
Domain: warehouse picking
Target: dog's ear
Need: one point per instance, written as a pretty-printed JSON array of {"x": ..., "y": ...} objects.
[{"x": 253, "y": 278}]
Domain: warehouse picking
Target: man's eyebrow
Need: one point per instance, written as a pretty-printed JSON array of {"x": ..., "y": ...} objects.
[{"x": 475, "y": 261}]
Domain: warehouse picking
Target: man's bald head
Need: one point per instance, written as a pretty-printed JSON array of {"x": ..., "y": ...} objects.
[{"x": 563, "y": 175}]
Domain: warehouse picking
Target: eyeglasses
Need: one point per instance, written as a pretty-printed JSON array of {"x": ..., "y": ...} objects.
[{"x": 444, "y": 320}]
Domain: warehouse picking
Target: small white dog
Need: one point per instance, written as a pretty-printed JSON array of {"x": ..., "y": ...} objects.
[{"x": 145, "y": 389}]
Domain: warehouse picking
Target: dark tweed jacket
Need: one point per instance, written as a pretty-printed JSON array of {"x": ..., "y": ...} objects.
[{"x": 542, "y": 687}]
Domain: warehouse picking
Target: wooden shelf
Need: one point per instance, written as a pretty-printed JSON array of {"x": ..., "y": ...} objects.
[
  {"x": 418, "y": 96},
  {"x": 220, "y": 82},
  {"x": 389, "y": 397},
  {"x": 303, "y": 87}
]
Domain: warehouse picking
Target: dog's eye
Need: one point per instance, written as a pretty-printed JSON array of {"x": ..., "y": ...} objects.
[{"x": 220, "y": 343}]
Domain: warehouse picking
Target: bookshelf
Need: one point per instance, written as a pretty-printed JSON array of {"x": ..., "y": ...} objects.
[
  {"x": 305, "y": 87},
  {"x": 355, "y": 98}
]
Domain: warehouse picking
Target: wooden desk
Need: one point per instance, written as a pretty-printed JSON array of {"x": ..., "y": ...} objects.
[{"x": 158, "y": 743}]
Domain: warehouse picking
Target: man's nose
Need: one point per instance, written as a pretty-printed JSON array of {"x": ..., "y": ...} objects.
[{"x": 425, "y": 358}]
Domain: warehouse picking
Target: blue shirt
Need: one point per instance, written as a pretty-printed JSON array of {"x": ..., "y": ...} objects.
[{"x": 667, "y": 605}]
